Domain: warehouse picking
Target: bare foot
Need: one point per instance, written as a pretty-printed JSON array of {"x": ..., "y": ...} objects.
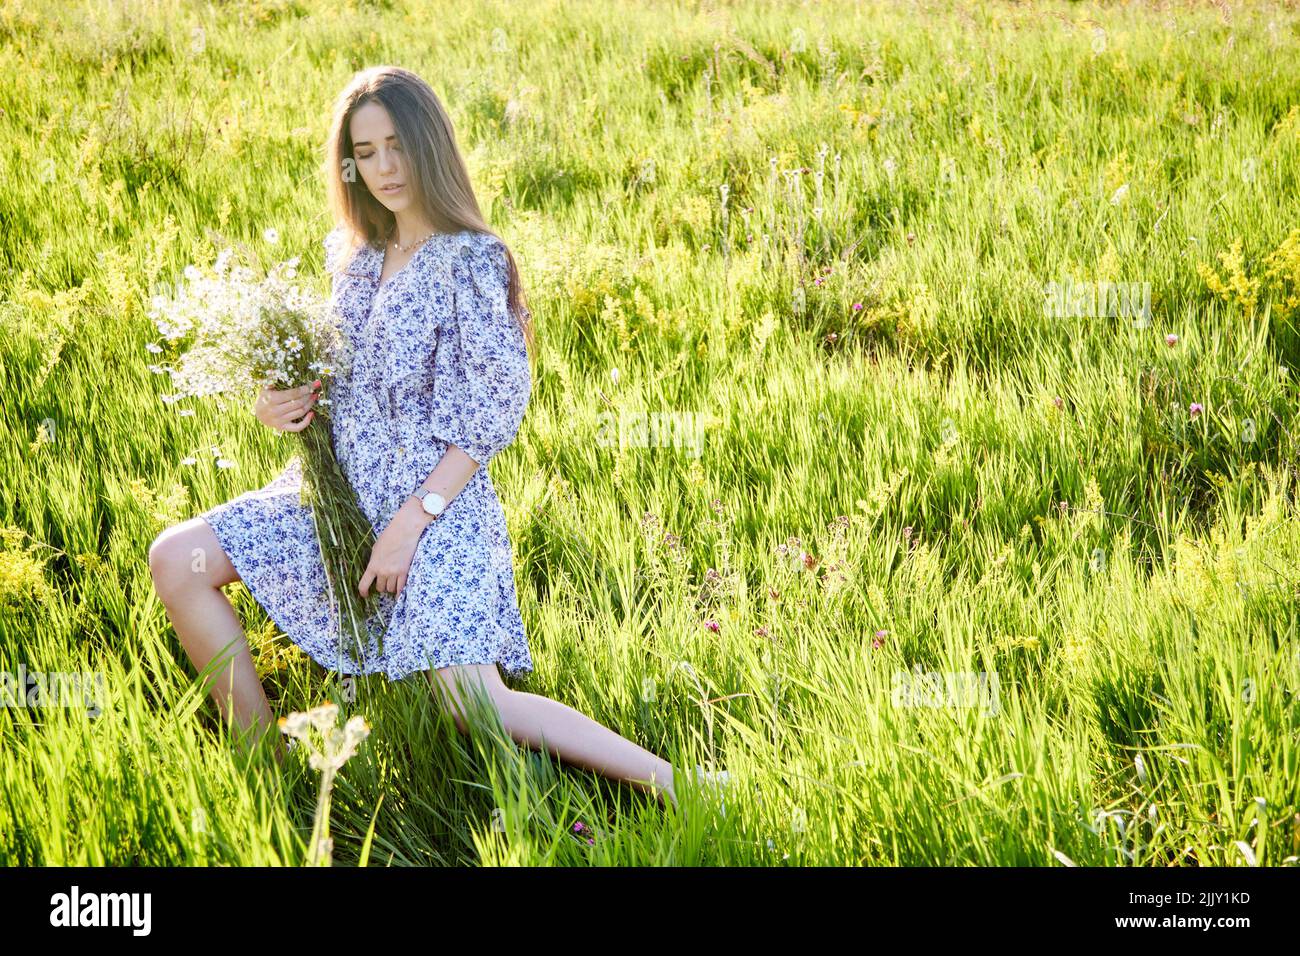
[{"x": 665, "y": 793}]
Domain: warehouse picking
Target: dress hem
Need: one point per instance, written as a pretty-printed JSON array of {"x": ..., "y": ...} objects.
[{"x": 333, "y": 665}]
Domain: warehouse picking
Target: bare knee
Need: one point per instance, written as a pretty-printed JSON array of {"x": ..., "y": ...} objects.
[
  {"x": 188, "y": 556},
  {"x": 165, "y": 565},
  {"x": 483, "y": 678},
  {"x": 171, "y": 565}
]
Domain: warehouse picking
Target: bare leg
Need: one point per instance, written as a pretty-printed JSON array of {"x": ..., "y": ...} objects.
[
  {"x": 572, "y": 736},
  {"x": 189, "y": 569}
]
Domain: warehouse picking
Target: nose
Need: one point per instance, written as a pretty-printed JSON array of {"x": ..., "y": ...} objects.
[{"x": 387, "y": 161}]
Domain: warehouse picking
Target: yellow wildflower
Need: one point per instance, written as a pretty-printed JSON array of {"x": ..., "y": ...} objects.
[
  {"x": 1235, "y": 285},
  {"x": 22, "y": 579}
]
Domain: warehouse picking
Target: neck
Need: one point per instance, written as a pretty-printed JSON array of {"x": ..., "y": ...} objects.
[{"x": 410, "y": 227}]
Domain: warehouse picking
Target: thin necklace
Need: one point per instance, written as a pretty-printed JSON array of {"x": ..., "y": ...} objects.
[{"x": 401, "y": 248}]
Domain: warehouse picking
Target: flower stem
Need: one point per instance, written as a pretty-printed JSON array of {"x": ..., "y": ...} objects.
[{"x": 343, "y": 533}]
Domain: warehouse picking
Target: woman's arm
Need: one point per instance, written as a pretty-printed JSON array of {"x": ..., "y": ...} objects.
[{"x": 449, "y": 476}]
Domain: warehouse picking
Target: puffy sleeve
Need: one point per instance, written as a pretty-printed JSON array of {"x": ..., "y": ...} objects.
[
  {"x": 480, "y": 405},
  {"x": 335, "y": 243}
]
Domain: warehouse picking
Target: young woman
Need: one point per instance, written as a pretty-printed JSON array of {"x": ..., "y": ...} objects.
[{"x": 432, "y": 309}]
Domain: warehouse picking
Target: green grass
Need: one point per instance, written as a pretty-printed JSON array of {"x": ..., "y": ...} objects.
[{"x": 972, "y": 154}]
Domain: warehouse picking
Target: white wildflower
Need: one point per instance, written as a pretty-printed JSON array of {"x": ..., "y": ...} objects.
[
  {"x": 238, "y": 334},
  {"x": 337, "y": 746},
  {"x": 235, "y": 332}
]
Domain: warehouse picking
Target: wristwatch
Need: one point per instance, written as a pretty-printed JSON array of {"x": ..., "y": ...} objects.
[{"x": 432, "y": 502}]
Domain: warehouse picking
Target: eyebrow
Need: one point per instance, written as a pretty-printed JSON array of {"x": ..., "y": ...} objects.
[{"x": 366, "y": 142}]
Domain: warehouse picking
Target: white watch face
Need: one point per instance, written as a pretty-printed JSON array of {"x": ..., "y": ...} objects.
[{"x": 433, "y": 503}]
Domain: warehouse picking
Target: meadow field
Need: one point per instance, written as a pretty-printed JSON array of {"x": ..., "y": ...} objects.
[{"x": 913, "y": 432}]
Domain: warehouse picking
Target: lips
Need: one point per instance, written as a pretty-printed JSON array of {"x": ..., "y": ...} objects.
[{"x": 391, "y": 189}]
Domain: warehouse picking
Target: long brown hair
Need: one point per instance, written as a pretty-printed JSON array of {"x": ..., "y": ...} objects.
[{"x": 428, "y": 141}]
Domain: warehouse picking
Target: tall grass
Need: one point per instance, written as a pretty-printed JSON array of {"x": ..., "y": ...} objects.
[{"x": 905, "y": 466}]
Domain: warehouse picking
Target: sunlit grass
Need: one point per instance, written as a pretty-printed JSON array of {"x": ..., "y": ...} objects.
[{"x": 905, "y": 466}]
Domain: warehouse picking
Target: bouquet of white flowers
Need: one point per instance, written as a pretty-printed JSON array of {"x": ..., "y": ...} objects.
[{"x": 230, "y": 334}]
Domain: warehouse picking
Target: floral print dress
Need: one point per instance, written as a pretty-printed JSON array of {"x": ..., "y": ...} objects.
[{"x": 432, "y": 358}]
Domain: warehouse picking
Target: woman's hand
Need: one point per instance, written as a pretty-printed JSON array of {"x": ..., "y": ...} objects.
[
  {"x": 281, "y": 409},
  {"x": 390, "y": 559}
]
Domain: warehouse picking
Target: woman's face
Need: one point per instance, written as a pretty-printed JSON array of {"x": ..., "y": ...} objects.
[{"x": 379, "y": 157}]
